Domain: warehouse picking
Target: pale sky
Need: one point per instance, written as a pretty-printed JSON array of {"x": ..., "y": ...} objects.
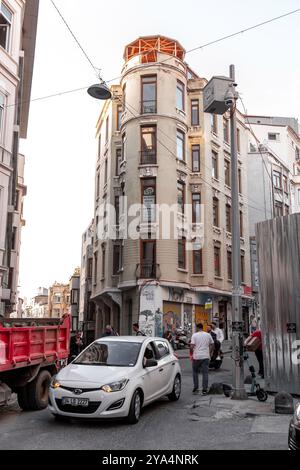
[{"x": 61, "y": 149}]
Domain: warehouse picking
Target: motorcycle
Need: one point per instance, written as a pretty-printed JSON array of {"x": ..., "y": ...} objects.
[
  {"x": 217, "y": 357},
  {"x": 180, "y": 340}
]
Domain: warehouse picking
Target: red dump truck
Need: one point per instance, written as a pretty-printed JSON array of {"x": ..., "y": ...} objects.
[{"x": 31, "y": 352}]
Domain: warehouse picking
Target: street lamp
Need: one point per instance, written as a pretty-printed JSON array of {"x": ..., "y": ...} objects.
[
  {"x": 219, "y": 96},
  {"x": 99, "y": 91}
]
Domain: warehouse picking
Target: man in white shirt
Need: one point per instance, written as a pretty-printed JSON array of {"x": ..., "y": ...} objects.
[
  {"x": 201, "y": 347},
  {"x": 218, "y": 332}
]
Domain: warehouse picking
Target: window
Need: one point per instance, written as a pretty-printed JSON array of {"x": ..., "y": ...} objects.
[
  {"x": 119, "y": 117},
  {"x": 103, "y": 262},
  {"x": 196, "y": 158},
  {"x": 74, "y": 296},
  {"x": 217, "y": 261},
  {"x": 226, "y": 130},
  {"x": 124, "y": 98},
  {"x": 90, "y": 268},
  {"x": 99, "y": 145},
  {"x": 105, "y": 171},
  {"x": 181, "y": 253},
  {"x": 277, "y": 179},
  {"x": 14, "y": 238},
  {"x": 57, "y": 299},
  {"x": 148, "y": 190},
  {"x": 118, "y": 161},
  {"x": 215, "y": 172},
  {"x": 278, "y": 209},
  {"x": 214, "y": 123},
  {"x": 197, "y": 258},
  {"x": 238, "y": 140},
  {"x": 228, "y": 217},
  {"x": 227, "y": 170},
  {"x": 148, "y": 145},
  {"x": 2, "y": 105},
  {"x": 195, "y": 113},
  {"x": 286, "y": 209},
  {"x": 285, "y": 184},
  {"x": 216, "y": 212},
  {"x": 180, "y": 196},
  {"x": 180, "y": 145},
  {"x": 273, "y": 136},
  {"x": 299, "y": 197},
  {"x": 97, "y": 184},
  {"x": 241, "y": 224},
  {"x": 123, "y": 147},
  {"x": 106, "y": 129},
  {"x": 5, "y": 26},
  {"x": 117, "y": 209},
  {"x": 180, "y": 95},
  {"x": 196, "y": 208},
  {"x": 162, "y": 349},
  {"x": 95, "y": 267},
  {"x": 297, "y": 153},
  {"x": 229, "y": 265},
  {"x": 242, "y": 267},
  {"x": 148, "y": 259},
  {"x": 240, "y": 180},
  {"x": 149, "y": 94},
  {"x": 116, "y": 259},
  {"x": 97, "y": 223}
]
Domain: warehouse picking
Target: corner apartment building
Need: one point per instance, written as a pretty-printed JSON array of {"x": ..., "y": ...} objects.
[
  {"x": 157, "y": 146},
  {"x": 18, "y": 23},
  {"x": 86, "y": 306}
]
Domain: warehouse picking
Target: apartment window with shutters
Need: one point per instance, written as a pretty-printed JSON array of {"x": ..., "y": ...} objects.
[
  {"x": 6, "y": 17},
  {"x": 118, "y": 161},
  {"x": 195, "y": 113},
  {"x": 180, "y": 145},
  {"x": 227, "y": 170},
  {"x": 215, "y": 169},
  {"x": 226, "y": 130},
  {"x": 228, "y": 217},
  {"x": 217, "y": 261},
  {"x": 148, "y": 145},
  {"x": 277, "y": 179},
  {"x": 180, "y": 95},
  {"x": 182, "y": 253},
  {"x": 196, "y": 158},
  {"x": 197, "y": 259},
  {"x": 216, "y": 212},
  {"x": 119, "y": 117},
  {"x": 229, "y": 265},
  {"x": 149, "y": 94},
  {"x": 180, "y": 196},
  {"x": 116, "y": 259},
  {"x": 196, "y": 208},
  {"x": 106, "y": 129}
]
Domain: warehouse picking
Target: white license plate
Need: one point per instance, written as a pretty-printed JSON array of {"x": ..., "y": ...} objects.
[{"x": 75, "y": 401}]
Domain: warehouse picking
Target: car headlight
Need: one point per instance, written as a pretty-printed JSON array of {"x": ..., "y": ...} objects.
[
  {"x": 54, "y": 383},
  {"x": 115, "y": 386},
  {"x": 297, "y": 413}
]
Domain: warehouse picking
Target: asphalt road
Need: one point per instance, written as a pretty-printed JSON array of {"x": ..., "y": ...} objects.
[{"x": 163, "y": 425}]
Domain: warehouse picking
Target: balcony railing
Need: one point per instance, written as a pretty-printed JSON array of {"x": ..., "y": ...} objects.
[
  {"x": 148, "y": 107},
  {"x": 148, "y": 157},
  {"x": 148, "y": 271}
]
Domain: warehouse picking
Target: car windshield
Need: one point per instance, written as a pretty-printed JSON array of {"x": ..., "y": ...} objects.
[{"x": 114, "y": 353}]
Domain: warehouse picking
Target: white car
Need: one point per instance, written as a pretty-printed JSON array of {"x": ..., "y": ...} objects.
[{"x": 115, "y": 377}]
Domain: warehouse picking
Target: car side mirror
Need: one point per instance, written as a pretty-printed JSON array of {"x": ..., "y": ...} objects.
[{"x": 150, "y": 363}]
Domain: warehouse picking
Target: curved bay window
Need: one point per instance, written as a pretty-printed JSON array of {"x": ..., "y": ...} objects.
[
  {"x": 148, "y": 94},
  {"x": 148, "y": 145},
  {"x": 148, "y": 199}
]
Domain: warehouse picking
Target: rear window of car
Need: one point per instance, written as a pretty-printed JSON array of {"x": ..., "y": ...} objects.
[{"x": 162, "y": 349}]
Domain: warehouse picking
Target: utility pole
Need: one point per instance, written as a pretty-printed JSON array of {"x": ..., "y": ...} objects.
[{"x": 239, "y": 392}]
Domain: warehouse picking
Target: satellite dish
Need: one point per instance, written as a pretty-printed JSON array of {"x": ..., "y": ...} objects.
[{"x": 100, "y": 91}]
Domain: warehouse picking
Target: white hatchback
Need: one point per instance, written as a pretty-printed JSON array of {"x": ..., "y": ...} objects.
[{"x": 115, "y": 377}]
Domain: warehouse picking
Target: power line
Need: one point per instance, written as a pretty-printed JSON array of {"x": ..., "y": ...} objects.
[{"x": 154, "y": 63}]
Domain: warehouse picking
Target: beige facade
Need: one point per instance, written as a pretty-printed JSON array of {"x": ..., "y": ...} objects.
[
  {"x": 167, "y": 152},
  {"x": 18, "y": 19},
  {"x": 58, "y": 300}
]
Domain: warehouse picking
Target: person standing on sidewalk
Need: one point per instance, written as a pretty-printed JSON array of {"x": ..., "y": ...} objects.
[
  {"x": 201, "y": 348},
  {"x": 259, "y": 353}
]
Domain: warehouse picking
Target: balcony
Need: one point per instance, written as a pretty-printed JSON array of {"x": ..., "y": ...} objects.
[
  {"x": 148, "y": 156},
  {"x": 147, "y": 271}
]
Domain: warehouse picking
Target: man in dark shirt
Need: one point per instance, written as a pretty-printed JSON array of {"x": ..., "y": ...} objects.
[{"x": 136, "y": 329}]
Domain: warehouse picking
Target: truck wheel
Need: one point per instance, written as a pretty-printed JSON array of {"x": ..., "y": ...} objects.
[
  {"x": 38, "y": 390},
  {"x": 23, "y": 398}
]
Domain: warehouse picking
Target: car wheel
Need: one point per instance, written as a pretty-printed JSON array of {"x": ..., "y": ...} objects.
[
  {"x": 261, "y": 395},
  {"x": 175, "y": 395},
  {"x": 135, "y": 408}
]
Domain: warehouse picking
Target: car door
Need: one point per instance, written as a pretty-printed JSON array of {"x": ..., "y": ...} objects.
[
  {"x": 166, "y": 363},
  {"x": 151, "y": 376}
]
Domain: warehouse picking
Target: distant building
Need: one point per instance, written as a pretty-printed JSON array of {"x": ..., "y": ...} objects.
[
  {"x": 40, "y": 306},
  {"x": 59, "y": 300},
  {"x": 74, "y": 299},
  {"x": 18, "y": 20},
  {"x": 86, "y": 306}
]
